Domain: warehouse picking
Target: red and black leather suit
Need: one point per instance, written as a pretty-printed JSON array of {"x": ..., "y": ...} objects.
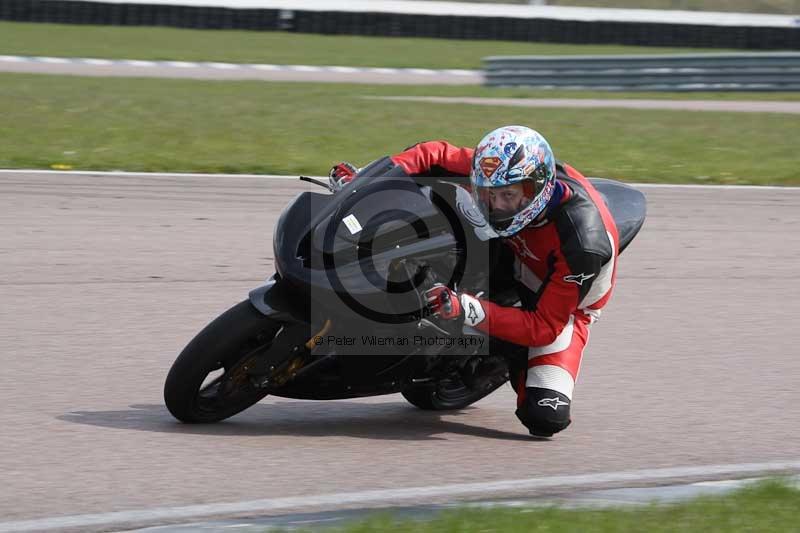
[{"x": 565, "y": 266}]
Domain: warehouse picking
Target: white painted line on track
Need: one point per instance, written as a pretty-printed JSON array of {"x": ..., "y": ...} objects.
[
  {"x": 205, "y": 70},
  {"x": 97, "y": 62},
  {"x": 715, "y": 187},
  {"x": 394, "y": 496},
  {"x": 180, "y": 64},
  {"x": 52, "y": 60},
  {"x": 259, "y": 66},
  {"x": 223, "y": 66},
  {"x": 304, "y": 68},
  {"x": 423, "y": 71},
  {"x": 344, "y": 70},
  {"x": 383, "y": 70},
  {"x": 101, "y": 173},
  {"x": 460, "y": 72},
  {"x": 139, "y": 63}
]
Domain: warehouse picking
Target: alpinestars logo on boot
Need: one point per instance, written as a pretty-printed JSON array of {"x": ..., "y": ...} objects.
[{"x": 555, "y": 403}]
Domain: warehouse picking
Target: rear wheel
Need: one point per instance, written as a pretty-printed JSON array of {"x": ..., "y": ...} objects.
[
  {"x": 209, "y": 381},
  {"x": 447, "y": 394}
]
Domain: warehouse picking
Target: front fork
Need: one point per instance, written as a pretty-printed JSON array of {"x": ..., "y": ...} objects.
[{"x": 273, "y": 299}]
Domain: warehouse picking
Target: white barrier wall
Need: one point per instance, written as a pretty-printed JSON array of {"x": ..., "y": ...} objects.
[{"x": 471, "y": 9}]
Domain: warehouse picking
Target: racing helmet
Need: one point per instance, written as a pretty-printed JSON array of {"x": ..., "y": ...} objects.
[{"x": 513, "y": 177}]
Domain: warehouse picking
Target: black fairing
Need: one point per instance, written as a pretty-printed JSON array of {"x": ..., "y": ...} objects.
[
  {"x": 628, "y": 206},
  {"x": 330, "y": 247}
]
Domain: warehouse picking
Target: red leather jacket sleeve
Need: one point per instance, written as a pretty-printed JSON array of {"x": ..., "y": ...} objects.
[
  {"x": 559, "y": 300},
  {"x": 424, "y": 157}
]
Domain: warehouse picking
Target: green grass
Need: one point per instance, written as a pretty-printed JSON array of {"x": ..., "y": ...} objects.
[
  {"x": 768, "y": 507},
  {"x": 115, "y": 42},
  {"x": 204, "y": 126}
]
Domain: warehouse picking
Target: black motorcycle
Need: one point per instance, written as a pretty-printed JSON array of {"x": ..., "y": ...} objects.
[{"x": 344, "y": 315}]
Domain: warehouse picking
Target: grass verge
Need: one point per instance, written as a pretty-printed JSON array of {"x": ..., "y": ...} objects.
[
  {"x": 115, "y": 42},
  {"x": 771, "y": 506},
  {"x": 194, "y": 126}
]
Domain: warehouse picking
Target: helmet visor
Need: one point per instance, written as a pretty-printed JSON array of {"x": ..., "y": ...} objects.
[{"x": 500, "y": 205}]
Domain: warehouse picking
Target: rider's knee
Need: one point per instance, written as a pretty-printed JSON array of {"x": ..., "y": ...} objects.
[{"x": 544, "y": 412}]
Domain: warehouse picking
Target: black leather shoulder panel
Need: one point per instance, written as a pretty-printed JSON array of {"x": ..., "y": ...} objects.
[{"x": 580, "y": 225}]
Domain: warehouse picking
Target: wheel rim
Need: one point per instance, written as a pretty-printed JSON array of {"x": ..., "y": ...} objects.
[
  {"x": 451, "y": 391},
  {"x": 233, "y": 387}
]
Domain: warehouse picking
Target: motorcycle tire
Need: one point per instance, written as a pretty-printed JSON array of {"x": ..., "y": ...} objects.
[
  {"x": 221, "y": 346},
  {"x": 446, "y": 396}
]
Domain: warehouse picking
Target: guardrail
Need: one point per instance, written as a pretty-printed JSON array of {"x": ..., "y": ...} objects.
[{"x": 777, "y": 71}]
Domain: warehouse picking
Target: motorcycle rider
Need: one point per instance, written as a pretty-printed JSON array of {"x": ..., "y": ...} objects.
[{"x": 564, "y": 244}]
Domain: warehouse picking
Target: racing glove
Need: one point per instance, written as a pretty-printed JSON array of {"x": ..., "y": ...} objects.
[
  {"x": 449, "y": 305},
  {"x": 443, "y": 302},
  {"x": 340, "y": 175}
]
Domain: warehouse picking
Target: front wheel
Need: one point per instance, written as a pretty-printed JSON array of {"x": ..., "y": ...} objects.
[{"x": 208, "y": 381}]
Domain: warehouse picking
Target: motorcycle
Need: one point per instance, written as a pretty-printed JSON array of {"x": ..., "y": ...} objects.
[{"x": 344, "y": 315}]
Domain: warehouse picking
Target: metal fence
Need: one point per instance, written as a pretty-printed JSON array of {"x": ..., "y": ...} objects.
[{"x": 777, "y": 71}]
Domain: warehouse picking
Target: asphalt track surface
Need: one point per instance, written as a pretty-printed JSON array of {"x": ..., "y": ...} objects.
[
  {"x": 236, "y": 71},
  {"x": 106, "y": 278}
]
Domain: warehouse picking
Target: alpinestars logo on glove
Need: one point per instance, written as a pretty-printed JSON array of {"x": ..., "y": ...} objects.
[
  {"x": 473, "y": 310},
  {"x": 472, "y": 315}
]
